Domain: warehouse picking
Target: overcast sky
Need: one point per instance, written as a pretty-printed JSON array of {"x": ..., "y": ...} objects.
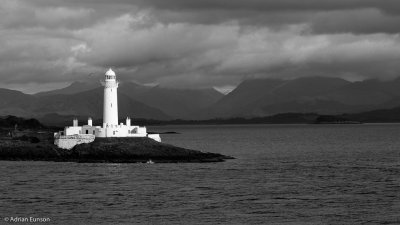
[{"x": 46, "y": 44}]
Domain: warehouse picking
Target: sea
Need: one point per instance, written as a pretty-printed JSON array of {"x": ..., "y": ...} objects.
[{"x": 281, "y": 174}]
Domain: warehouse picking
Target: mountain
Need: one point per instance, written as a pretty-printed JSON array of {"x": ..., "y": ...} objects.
[
  {"x": 375, "y": 93},
  {"x": 377, "y": 116},
  {"x": 73, "y": 88},
  {"x": 15, "y": 103},
  {"x": 252, "y": 98},
  {"x": 90, "y": 103},
  {"x": 82, "y": 104},
  {"x": 263, "y": 97},
  {"x": 249, "y": 92},
  {"x": 178, "y": 103},
  {"x": 80, "y": 98}
]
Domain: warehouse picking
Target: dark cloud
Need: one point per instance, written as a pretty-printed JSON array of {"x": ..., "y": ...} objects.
[
  {"x": 216, "y": 11},
  {"x": 362, "y": 21},
  {"x": 187, "y": 43},
  {"x": 392, "y": 6}
]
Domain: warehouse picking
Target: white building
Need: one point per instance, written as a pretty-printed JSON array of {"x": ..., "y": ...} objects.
[{"x": 75, "y": 134}]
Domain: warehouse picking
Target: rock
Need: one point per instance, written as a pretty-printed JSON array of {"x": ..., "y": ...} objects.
[{"x": 108, "y": 150}]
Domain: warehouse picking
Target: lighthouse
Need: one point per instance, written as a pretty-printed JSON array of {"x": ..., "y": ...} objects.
[
  {"x": 75, "y": 134},
  {"x": 110, "y": 104}
]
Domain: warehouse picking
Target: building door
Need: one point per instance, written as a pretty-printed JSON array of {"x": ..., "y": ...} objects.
[{"x": 87, "y": 131}]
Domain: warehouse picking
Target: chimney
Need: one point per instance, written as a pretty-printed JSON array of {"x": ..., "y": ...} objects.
[
  {"x": 128, "y": 121},
  {"x": 75, "y": 122},
  {"x": 89, "y": 121}
]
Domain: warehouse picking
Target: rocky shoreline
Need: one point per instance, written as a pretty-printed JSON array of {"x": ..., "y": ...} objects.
[{"x": 104, "y": 150}]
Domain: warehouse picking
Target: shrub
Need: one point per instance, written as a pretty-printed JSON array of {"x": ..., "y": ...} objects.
[{"x": 34, "y": 140}]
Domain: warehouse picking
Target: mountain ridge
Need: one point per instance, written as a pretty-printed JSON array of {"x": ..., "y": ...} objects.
[
  {"x": 251, "y": 98},
  {"x": 264, "y": 97}
]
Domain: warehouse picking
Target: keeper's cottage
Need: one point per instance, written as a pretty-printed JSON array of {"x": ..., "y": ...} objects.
[{"x": 75, "y": 134}]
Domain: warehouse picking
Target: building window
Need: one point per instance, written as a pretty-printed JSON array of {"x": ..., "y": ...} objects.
[
  {"x": 113, "y": 132},
  {"x": 93, "y": 132},
  {"x": 87, "y": 131}
]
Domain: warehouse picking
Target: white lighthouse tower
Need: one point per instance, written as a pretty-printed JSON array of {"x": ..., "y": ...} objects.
[
  {"x": 75, "y": 134},
  {"x": 110, "y": 107}
]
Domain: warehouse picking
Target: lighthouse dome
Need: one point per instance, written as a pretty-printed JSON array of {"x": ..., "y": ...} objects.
[{"x": 110, "y": 72}]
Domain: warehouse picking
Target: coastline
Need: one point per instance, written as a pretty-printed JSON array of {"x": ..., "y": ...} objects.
[{"x": 103, "y": 150}]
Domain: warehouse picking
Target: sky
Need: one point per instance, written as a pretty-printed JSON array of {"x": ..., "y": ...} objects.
[{"x": 47, "y": 44}]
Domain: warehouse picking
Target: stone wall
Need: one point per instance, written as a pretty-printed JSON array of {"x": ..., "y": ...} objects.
[{"x": 68, "y": 142}]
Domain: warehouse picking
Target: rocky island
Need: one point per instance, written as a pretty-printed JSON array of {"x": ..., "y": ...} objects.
[
  {"x": 113, "y": 141},
  {"x": 29, "y": 140}
]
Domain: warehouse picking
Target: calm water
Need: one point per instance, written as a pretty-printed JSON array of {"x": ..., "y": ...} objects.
[{"x": 283, "y": 174}]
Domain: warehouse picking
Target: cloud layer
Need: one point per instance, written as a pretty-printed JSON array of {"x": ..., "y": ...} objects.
[{"x": 192, "y": 44}]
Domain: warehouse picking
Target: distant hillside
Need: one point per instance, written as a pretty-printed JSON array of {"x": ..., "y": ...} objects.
[
  {"x": 178, "y": 103},
  {"x": 249, "y": 92},
  {"x": 377, "y": 116},
  {"x": 90, "y": 103},
  {"x": 73, "y": 88},
  {"x": 263, "y": 97},
  {"x": 16, "y": 103},
  {"x": 252, "y": 98},
  {"x": 18, "y": 122},
  {"x": 87, "y": 103},
  {"x": 368, "y": 92}
]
